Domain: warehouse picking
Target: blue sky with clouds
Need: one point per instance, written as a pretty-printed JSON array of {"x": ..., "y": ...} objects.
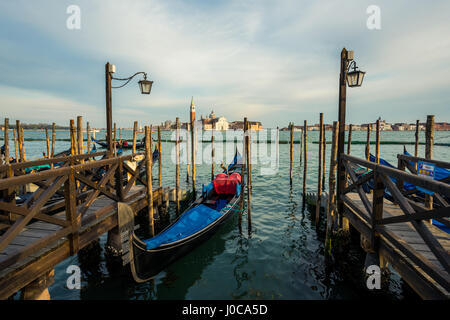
[{"x": 273, "y": 61}]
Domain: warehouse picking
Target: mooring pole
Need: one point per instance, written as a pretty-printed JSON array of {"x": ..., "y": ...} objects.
[
  {"x": 114, "y": 142},
  {"x": 378, "y": 142},
  {"x": 291, "y": 128},
  {"x": 331, "y": 212},
  {"x": 80, "y": 134},
  {"x": 88, "y": 137},
  {"x": 249, "y": 172},
  {"x": 277, "y": 144},
  {"x": 23, "y": 144},
  {"x": 47, "y": 139},
  {"x": 349, "y": 139},
  {"x": 53, "y": 139},
  {"x": 212, "y": 155},
  {"x": 6, "y": 140},
  {"x": 193, "y": 150},
  {"x": 177, "y": 171},
  {"x": 324, "y": 157},
  {"x": 369, "y": 127},
  {"x": 16, "y": 148},
  {"x": 416, "y": 149},
  {"x": 19, "y": 139},
  {"x": 319, "y": 182},
  {"x": 73, "y": 148},
  {"x": 187, "y": 152},
  {"x": 159, "y": 158},
  {"x": 429, "y": 154},
  {"x": 135, "y": 128},
  {"x": 305, "y": 155},
  {"x": 148, "y": 167},
  {"x": 301, "y": 149}
]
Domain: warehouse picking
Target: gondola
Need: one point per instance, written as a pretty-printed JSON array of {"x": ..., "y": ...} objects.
[
  {"x": 124, "y": 145},
  {"x": 199, "y": 222},
  {"x": 416, "y": 193}
]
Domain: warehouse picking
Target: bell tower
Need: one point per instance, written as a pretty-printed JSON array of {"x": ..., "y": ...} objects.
[{"x": 192, "y": 110}]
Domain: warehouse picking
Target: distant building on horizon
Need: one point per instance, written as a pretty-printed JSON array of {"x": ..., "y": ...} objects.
[{"x": 212, "y": 122}]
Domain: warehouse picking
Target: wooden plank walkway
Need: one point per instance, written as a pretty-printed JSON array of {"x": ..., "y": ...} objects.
[
  {"x": 98, "y": 219},
  {"x": 422, "y": 282}
]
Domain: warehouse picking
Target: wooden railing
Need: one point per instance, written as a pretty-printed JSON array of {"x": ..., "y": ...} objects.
[
  {"x": 375, "y": 224},
  {"x": 73, "y": 186}
]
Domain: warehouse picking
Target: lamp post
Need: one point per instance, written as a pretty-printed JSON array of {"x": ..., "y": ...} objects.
[
  {"x": 354, "y": 78},
  {"x": 144, "y": 85}
]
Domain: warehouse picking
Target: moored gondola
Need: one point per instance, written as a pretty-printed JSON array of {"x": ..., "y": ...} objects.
[{"x": 199, "y": 222}]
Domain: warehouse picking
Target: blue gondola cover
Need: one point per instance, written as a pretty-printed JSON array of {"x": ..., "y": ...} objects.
[{"x": 189, "y": 223}]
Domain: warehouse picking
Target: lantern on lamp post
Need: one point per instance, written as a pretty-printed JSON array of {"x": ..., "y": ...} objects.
[
  {"x": 145, "y": 87},
  {"x": 354, "y": 77}
]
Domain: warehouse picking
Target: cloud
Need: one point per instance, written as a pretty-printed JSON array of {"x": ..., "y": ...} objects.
[
  {"x": 32, "y": 106},
  {"x": 250, "y": 58}
]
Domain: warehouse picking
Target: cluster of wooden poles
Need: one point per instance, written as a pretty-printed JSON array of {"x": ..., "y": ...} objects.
[{"x": 331, "y": 214}]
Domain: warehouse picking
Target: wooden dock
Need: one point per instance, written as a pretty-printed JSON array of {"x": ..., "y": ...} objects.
[
  {"x": 38, "y": 234},
  {"x": 399, "y": 230}
]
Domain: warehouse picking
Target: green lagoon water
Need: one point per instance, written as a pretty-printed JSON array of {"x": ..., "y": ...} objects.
[{"x": 282, "y": 258}]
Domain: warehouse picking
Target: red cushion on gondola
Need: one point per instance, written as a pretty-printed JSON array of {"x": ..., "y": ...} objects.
[{"x": 224, "y": 184}]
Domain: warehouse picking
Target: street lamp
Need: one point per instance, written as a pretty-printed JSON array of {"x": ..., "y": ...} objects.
[
  {"x": 353, "y": 78},
  {"x": 144, "y": 85}
]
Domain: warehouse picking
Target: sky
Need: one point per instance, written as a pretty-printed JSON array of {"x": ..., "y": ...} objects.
[{"x": 271, "y": 61}]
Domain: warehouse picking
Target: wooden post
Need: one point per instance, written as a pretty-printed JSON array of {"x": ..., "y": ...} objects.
[
  {"x": 120, "y": 134},
  {"x": 177, "y": 174},
  {"x": 38, "y": 288},
  {"x": 291, "y": 127},
  {"x": 187, "y": 152},
  {"x": 377, "y": 207},
  {"x": 324, "y": 157},
  {"x": 23, "y": 145},
  {"x": 429, "y": 134},
  {"x": 249, "y": 172},
  {"x": 378, "y": 142},
  {"x": 48, "y": 143},
  {"x": 88, "y": 137},
  {"x": 301, "y": 149},
  {"x": 277, "y": 144},
  {"x": 73, "y": 144},
  {"x": 193, "y": 152},
  {"x": 148, "y": 167},
  {"x": 331, "y": 212},
  {"x": 319, "y": 182},
  {"x": 114, "y": 141},
  {"x": 135, "y": 127},
  {"x": 349, "y": 139},
  {"x": 416, "y": 149},
  {"x": 16, "y": 148},
  {"x": 369, "y": 127},
  {"x": 212, "y": 155},
  {"x": 6, "y": 140},
  {"x": 159, "y": 158},
  {"x": 20, "y": 141},
  {"x": 71, "y": 209},
  {"x": 53, "y": 139},
  {"x": 331, "y": 217},
  {"x": 305, "y": 156},
  {"x": 80, "y": 134}
]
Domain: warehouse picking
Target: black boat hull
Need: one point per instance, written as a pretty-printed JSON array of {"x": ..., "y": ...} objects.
[{"x": 145, "y": 264}]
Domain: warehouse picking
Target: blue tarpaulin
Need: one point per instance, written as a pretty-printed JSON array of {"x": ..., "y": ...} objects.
[{"x": 189, "y": 223}]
